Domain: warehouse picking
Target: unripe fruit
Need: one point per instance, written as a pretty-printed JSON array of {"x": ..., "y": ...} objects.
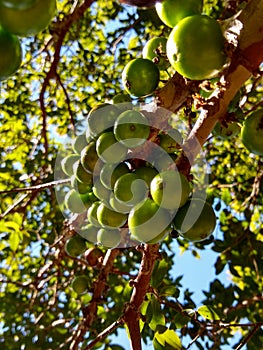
[
  {"x": 109, "y": 238},
  {"x": 80, "y": 284},
  {"x": 75, "y": 246}
]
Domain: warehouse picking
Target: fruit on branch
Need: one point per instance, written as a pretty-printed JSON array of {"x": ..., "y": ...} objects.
[
  {"x": 195, "y": 47},
  {"x": 29, "y": 21},
  {"x": 75, "y": 246},
  {"x": 109, "y": 238},
  {"x": 81, "y": 174},
  {"x": 67, "y": 163},
  {"x": 81, "y": 187},
  {"x": 130, "y": 189},
  {"x": 76, "y": 202},
  {"x": 170, "y": 141},
  {"x": 80, "y": 284},
  {"x": 89, "y": 232},
  {"x": 196, "y": 220},
  {"x": 92, "y": 214},
  {"x": 155, "y": 50},
  {"x": 140, "y": 77},
  {"x": 131, "y": 128},
  {"x": 111, "y": 172},
  {"x": 252, "y": 132},
  {"x": 109, "y": 149},
  {"x": 89, "y": 157},
  {"x": 79, "y": 143},
  {"x": 146, "y": 173},
  {"x": 100, "y": 191},
  {"x": 101, "y": 118},
  {"x": 172, "y": 11},
  {"x": 170, "y": 189},
  {"x": 148, "y": 222},
  {"x": 11, "y": 54}
]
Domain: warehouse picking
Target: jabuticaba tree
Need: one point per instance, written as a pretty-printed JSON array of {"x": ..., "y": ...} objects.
[{"x": 71, "y": 272}]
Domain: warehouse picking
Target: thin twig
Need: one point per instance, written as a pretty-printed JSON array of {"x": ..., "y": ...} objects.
[{"x": 248, "y": 337}]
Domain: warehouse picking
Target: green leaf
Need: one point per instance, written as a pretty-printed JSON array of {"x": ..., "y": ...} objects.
[
  {"x": 160, "y": 270},
  {"x": 14, "y": 240},
  {"x": 168, "y": 340},
  {"x": 208, "y": 312},
  {"x": 157, "y": 315},
  {"x": 180, "y": 320}
]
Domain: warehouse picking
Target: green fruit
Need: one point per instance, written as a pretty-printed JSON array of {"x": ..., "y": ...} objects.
[
  {"x": 75, "y": 246},
  {"x": 109, "y": 149},
  {"x": 170, "y": 189},
  {"x": 131, "y": 128},
  {"x": 68, "y": 162},
  {"x": 140, "y": 77},
  {"x": 111, "y": 172},
  {"x": 81, "y": 174},
  {"x": 18, "y": 4},
  {"x": 109, "y": 238},
  {"x": 101, "y": 118},
  {"x": 195, "y": 47},
  {"x": 226, "y": 132},
  {"x": 29, "y": 21},
  {"x": 79, "y": 143},
  {"x": 155, "y": 50},
  {"x": 118, "y": 206},
  {"x": 109, "y": 218},
  {"x": 130, "y": 189},
  {"x": 80, "y": 284},
  {"x": 75, "y": 202},
  {"x": 195, "y": 221},
  {"x": 123, "y": 101},
  {"x": 92, "y": 214},
  {"x": 80, "y": 187},
  {"x": 146, "y": 173},
  {"x": 173, "y": 11},
  {"x": 89, "y": 157},
  {"x": 11, "y": 54},
  {"x": 148, "y": 222},
  {"x": 171, "y": 141},
  {"x": 252, "y": 132},
  {"x": 89, "y": 232},
  {"x": 100, "y": 191}
]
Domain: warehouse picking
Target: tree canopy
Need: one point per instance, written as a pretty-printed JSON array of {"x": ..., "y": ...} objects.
[{"x": 67, "y": 69}]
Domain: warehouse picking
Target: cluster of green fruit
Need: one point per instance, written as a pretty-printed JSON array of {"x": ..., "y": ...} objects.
[
  {"x": 127, "y": 182},
  {"x": 195, "y": 48},
  {"x": 20, "y": 18}
]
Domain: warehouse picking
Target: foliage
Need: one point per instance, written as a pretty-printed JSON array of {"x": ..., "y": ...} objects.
[{"x": 67, "y": 69}]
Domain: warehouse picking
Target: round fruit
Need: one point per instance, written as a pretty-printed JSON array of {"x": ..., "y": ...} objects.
[
  {"x": 147, "y": 221},
  {"x": 196, "y": 220},
  {"x": 17, "y": 4},
  {"x": 109, "y": 218},
  {"x": 11, "y": 54},
  {"x": 93, "y": 255},
  {"x": 170, "y": 189},
  {"x": 29, "y": 21},
  {"x": 68, "y": 162},
  {"x": 122, "y": 101},
  {"x": 109, "y": 149},
  {"x": 75, "y": 246},
  {"x": 130, "y": 189},
  {"x": 155, "y": 50},
  {"x": 89, "y": 157},
  {"x": 226, "y": 132},
  {"x": 109, "y": 238},
  {"x": 81, "y": 174},
  {"x": 75, "y": 202},
  {"x": 111, "y": 172},
  {"x": 101, "y": 118},
  {"x": 173, "y": 11},
  {"x": 252, "y": 132},
  {"x": 89, "y": 232},
  {"x": 80, "y": 284},
  {"x": 100, "y": 191},
  {"x": 79, "y": 143},
  {"x": 140, "y": 77},
  {"x": 92, "y": 214},
  {"x": 195, "y": 47},
  {"x": 146, "y": 173},
  {"x": 171, "y": 141},
  {"x": 131, "y": 128},
  {"x": 118, "y": 206},
  {"x": 80, "y": 187}
]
